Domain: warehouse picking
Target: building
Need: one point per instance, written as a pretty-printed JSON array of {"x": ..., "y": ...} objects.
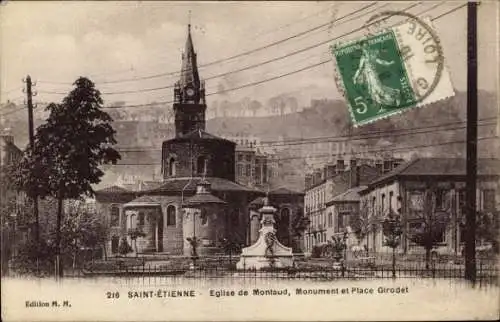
[
  {"x": 13, "y": 204},
  {"x": 199, "y": 195},
  {"x": 426, "y": 187},
  {"x": 322, "y": 188}
]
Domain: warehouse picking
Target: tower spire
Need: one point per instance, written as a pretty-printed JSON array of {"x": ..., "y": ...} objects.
[{"x": 189, "y": 68}]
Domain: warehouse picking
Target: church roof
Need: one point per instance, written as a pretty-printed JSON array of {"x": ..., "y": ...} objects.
[
  {"x": 189, "y": 69},
  {"x": 189, "y": 185},
  {"x": 151, "y": 201},
  {"x": 204, "y": 198}
]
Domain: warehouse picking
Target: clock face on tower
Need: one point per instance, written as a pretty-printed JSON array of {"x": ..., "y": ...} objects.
[{"x": 190, "y": 92}]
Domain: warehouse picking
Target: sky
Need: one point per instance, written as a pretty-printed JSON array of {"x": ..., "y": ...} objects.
[{"x": 115, "y": 43}]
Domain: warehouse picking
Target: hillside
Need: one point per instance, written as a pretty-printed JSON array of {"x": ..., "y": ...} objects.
[{"x": 323, "y": 118}]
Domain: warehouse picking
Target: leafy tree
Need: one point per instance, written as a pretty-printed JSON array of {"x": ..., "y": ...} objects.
[
  {"x": 69, "y": 148},
  {"x": 82, "y": 229},
  {"x": 430, "y": 225},
  {"x": 364, "y": 221}
]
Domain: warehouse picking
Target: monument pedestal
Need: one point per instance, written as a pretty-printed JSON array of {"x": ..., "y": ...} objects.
[{"x": 267, "y": 251}]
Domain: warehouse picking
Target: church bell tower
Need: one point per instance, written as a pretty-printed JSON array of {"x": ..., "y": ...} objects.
[{"x": 189, "y": 94}]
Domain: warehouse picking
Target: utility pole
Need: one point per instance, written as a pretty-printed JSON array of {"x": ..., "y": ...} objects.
[
  {"x": 29, "y": 94},
  {"x": 470, "y": 189}
]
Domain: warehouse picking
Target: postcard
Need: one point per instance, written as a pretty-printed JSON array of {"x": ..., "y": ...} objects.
[{"x": 249, "y": 161}]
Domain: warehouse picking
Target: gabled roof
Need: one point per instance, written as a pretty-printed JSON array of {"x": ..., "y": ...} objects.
[
  {"x": 351, "y": 195},
  {"x": 439, "y": 167}
]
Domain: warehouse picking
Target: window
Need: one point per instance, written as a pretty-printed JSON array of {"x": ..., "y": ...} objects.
[
  {"x": 201, "y": 165},
  {"x": 374, "y": 199},
  {"x": 115, "y": 240},
  {"x": 330, "y": 219},
  {"x": 387, "y": 166},
  {"x": 488, "y": 199},
  {"x": 204, "y": 217},
  {"x": 249, "y": 157},
  {"x": 171, "y": 167},
  {"x": 249, "y": 170},
  {"x": 417, "y": 201},
  {"x": 461, "y": 201},
  {"x": 391, "y": 194},
  {"x": 240, "y": 169},
  {"x": 285, "y": 215},
  {"x": 383, "y": 202},
  {"x": 115, "y": 216},
  {"x": 171, "y": 213},
  {"x": 441, "y": 199},
  {"x": 141, "y": 219}
]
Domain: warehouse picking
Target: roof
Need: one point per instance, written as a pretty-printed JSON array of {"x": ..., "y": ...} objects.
[
  {"x": 189, "y": 68},
  {"x": 189, "y": 185},
  {"x": 204, "y": 198},
  {"x": 284, "y": 191},
  {"x": 113, "y": 189},
  {"x": 145, "y": 201},
  {"x": 439, "y": 167},
  {"x": 351, "y": 195},
  {"x": 201, "y": 134}
]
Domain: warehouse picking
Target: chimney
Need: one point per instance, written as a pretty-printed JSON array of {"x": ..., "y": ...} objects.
[
  {"x": 340, "y": 165},
  {"x": 308, "y": 181},
  {"x": 353, "y": 173},
  {"x": 380, "y": 166},
  {"x": 331, "y": 170}
]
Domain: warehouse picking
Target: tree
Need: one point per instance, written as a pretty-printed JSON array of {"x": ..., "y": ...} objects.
[
  {"x": 124, "y": 248},
  {"x": 255, "y": 106},
  {"x": 69, "y": 148},
  {"x": 82, "y": 229},
  {"x": 487, "y": 228},
  {"x": 392, "y": 229},
  {"x": 361, "y": 222},
  {"x": 428, "y": 225}
]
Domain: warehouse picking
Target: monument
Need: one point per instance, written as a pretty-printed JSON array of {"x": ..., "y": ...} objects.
[{"x": 267, "y": 251}]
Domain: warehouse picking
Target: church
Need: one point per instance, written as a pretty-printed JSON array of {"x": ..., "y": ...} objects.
[{"x": 199, "y": 196}]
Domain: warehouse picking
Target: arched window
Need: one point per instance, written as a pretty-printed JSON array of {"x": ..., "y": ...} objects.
[
  {"x": 115, "y": 216},
  {"x": 171, "y": 167},
  {"x": 171, "y": 215},
  {"x": 285, "y": 217},
  {"x": 201, "y": 165},
  {"x": 330, "y": 219}
]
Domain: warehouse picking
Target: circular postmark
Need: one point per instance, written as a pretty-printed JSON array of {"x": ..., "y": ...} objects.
[
  {"x": 417, "y": 41},
  {"x": 384, "y": 73}
]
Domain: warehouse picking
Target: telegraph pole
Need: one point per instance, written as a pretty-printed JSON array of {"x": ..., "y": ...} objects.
[
  {"x": 471, "y": 179},
  {"x": 29, "y": 94}
]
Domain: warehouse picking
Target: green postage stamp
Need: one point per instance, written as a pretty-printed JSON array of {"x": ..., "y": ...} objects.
[{"x": 394, "y": 70}]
